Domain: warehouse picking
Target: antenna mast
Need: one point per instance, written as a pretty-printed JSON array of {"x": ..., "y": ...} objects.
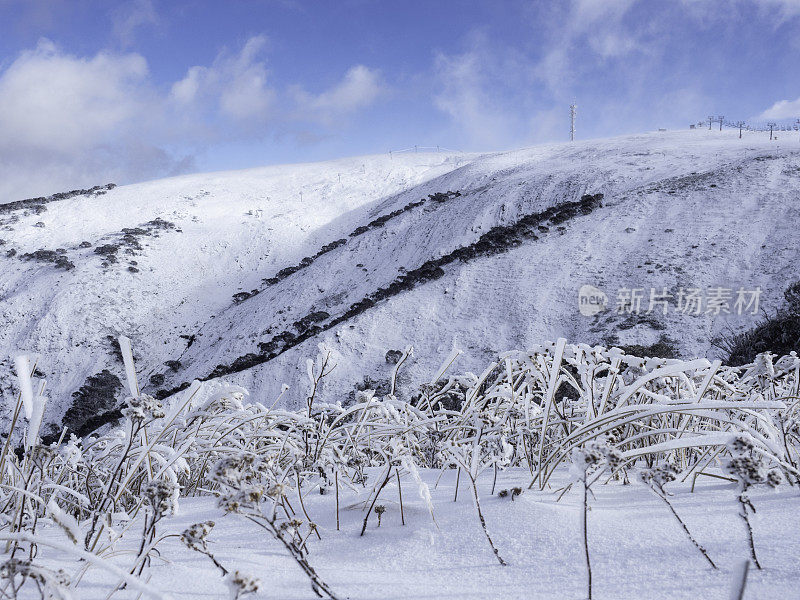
[{"x": 572, "y": 111}]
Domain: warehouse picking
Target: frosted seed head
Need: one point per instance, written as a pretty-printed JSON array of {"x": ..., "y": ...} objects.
[
  {"x": 161, "y": 496},
  {"x": 740, "y": 444},
  {"x": 240, "y": 583},
  {"x": 774, "y": 477},
  {"x": 747, "y": 469},
  {"x": 195, "y": 537}
]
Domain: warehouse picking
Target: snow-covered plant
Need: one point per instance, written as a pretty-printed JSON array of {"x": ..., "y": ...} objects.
[
  {"x": 749, "y": 468},
  {"x": 604, "y": 412},
  {"x": 195, "y": 537},
  {"x": 162, "y": 498},
  {"x": 245, "y": 493},
  {"x": 655, "y": 478},
  {"x": 511, "y": 493},
  {"x": 588, "y": 463},
  {"x": 16, "y": 572},
  {"x": 64, "y": 521},
  {"x": 240, "y": 584},
  {"x": 472, "y": 455},
  {"x": 379, "y": 510}
]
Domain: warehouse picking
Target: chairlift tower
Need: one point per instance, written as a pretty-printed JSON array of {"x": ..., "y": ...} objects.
[
  {"x": 771, "y": 127},
  {"x": 740, "y": 125}
]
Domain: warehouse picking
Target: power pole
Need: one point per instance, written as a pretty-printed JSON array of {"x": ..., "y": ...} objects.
[
  {"x": 573, "y": 109},
  {"x": 771, "y": 126},
  {"x": 740, "y": 125}
]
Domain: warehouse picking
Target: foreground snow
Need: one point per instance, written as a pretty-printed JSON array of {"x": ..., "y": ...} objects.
[{"x": 638, "y": 550}]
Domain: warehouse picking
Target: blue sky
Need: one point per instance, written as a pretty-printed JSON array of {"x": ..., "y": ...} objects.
[{"x": 95, "y": 91}]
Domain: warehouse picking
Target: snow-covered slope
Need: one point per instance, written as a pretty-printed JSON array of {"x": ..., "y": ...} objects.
[{"x": 387, "y": 266}]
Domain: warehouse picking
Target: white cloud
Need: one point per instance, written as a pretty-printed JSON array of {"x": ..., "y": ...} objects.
[
  {"x": 499, "y": 96},
  {"x": 783, "y": 109},
  {"x": 602, "y": 21},
  {"x": 60, "y": 103},
  {"x": 236, "y": 84},
  {"x": 606, "y": 55},
  {"x": 466, "y": 82},
  {"x": 597, "y": 23},
  {"x": 69, "y": 121},
  {"x": 359, "y": 88},
  {"x": 786, "y": 9},
  {"x": 130, "y": 16},
  {"x": 778, "y": 11},
  {"x": 72, "y": 122},
  {"x": 186, "y": 90}
]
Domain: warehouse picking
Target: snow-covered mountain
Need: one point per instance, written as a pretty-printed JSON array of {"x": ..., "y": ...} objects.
[{"x": 244, "y": 274}]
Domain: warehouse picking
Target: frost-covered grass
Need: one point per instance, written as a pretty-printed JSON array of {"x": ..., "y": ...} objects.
[{"x": 564, "y": 471}]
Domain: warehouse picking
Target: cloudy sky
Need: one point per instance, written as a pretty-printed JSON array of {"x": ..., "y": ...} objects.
[{"x": 99, "y": 91}]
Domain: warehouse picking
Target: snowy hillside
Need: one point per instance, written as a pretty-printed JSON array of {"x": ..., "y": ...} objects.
[{"x": 244, "y": 273}]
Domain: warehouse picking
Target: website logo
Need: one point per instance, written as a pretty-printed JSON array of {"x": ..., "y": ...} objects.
[{"x": 591, "y": 300}]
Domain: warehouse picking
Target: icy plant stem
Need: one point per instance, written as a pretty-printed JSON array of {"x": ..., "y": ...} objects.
[
  {"x": 11, "y": 429},
  {"x": 337, "y": 500},
  {"x": 144, "y": 554},
  {"x": 548, "y": 400},
  {"x": 483, "y": 521},
  {"x": 741, "y": 582},
  {"x": 683, "y": 525},
  {"x": 400, "y": 493},
  {"x": 319, "y": 586},
  {"x": 585, "y": 528},
  {"x": 302, "y": 504},
  {"x": 745, "y": 504},
  {"x": 23, "y": 368},
  {"x": 375, "y": 499},
  {"x": 215, "y": 561},
  {"x": 106, "y": 497}
]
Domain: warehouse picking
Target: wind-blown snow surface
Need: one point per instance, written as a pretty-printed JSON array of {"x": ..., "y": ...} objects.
[
  {"x": 638, "y": 549},
  {"x": 688, "y": 209}
]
